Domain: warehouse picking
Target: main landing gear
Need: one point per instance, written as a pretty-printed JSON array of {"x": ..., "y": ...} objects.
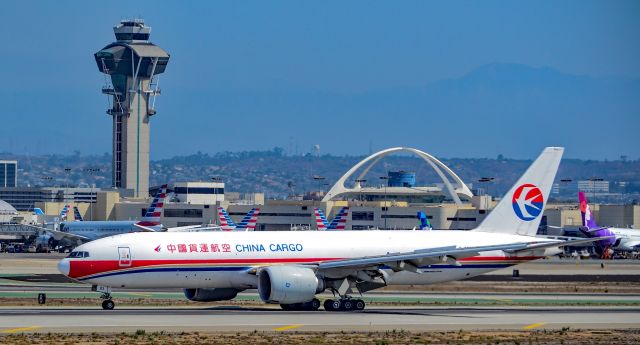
[
  {"x": 344, "y": 304},
  {"x": 312, "y": 305}
]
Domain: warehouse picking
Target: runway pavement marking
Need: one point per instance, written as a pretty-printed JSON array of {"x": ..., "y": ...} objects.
[
  {"x": 534, "y": 325},
  {"x": 16, "y": 330},
  {"x": 286, "y": 328}
]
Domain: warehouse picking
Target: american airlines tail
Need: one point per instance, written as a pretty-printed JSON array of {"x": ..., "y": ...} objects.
[
  {"x": 64, "y": 212},
  {"x": 248, "y": 222},
  {"x": 151, "y": 219},
  {"x": 338, "y": 223},
  {"x": 76, "y": 214},
  {"x": 520, "y": 210}
]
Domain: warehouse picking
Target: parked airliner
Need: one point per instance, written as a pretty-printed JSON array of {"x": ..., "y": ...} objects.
[
  {"x": 248, "y": 223},
  {"x": 71, "y": 234},
  {"x": 338, "y": 222},
  {"x": 290, "y": 268},
  {"x": 613, "y": 238}
]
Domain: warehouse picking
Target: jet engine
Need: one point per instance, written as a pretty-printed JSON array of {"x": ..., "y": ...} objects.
[
  {"x": 210, "y": 295},
  {"x": 45, "y": 243},
  {"x": 288, "y": 284}
]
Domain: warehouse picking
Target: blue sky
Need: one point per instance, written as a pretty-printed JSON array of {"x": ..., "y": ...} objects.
[{"x": 239, "y": 71}]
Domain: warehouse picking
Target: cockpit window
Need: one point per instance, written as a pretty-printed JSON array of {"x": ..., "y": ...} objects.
[{"x": 78, "y": 255}]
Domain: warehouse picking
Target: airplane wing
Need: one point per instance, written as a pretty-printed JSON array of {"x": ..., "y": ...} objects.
[
  {"x": 410, "y": 260},
  {"x": 144, "y": 228},
  {"x": 59, "y": 235}
]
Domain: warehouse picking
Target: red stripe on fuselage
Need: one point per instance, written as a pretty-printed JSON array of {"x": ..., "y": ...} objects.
[{"x": 81, "y": 268}]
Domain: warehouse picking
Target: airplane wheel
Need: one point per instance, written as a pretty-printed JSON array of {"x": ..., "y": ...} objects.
[
  {"x": 108, "y": 304},
  {"x": 314, "y": 304},
  {"x": 347, "y": 305},
  {"x": 328, "y": 305},
  {"x": 359, "y": 304}
]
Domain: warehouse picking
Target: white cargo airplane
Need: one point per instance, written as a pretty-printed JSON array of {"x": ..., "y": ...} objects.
[{"x": 290, "y": 268}]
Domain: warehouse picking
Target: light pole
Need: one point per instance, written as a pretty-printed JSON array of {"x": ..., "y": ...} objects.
[
  {"x": 486, "y": 181},
  {"x": 92, "y": 172},
  {"x": 593, "y": 185},
  {"x": 386, "y": 207},
  {"x": 319, "y": 179},
  {"x": 67, "y": 171}
]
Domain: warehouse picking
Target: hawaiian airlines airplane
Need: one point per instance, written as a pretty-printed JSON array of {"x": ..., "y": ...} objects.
[
  {"x": 73, "y": 233},
  {"x": 248, "y": 223},
  {"x": 290, "y": 268},
  {"x": 338, "y": 222},
  {"x": 612, "y": 238}
]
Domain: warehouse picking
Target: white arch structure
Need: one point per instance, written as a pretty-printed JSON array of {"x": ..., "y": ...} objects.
[{"x": 442, "y": 170}]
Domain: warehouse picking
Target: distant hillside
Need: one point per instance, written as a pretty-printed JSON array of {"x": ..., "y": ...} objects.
[{"x": 278, "y": 175}]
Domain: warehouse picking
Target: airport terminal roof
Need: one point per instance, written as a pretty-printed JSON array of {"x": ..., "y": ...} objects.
[{"x": 7, "y": 209}]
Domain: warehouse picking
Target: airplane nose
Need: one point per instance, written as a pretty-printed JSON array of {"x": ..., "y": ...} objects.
[{"x": 64, "y": 267}]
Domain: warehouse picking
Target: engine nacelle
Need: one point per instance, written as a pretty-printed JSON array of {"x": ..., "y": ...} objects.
[
  {"x": 45, "y": 242},
  {"x": 288, "y": 284},
  {"x": 210, "y": 295}
]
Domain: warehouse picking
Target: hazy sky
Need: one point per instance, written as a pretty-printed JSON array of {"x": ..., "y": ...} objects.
[{"x": 271, "y": 50}]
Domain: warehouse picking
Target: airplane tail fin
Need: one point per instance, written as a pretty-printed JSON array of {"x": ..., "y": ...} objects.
[
  {"x": 520, "y": 210},
  {"x": 76, "y": 214},
  {"x": 64, "y": 212},
  {"x": 321, "y": 220},
  {"x": 340, "y": 220},
  {"x": 424, "y": 221},
  {"x": 587, "y": 216},
  {"x": 223, "y": 217},
  {"x": 151, "y": 219},
  {"x": 249, "y": 221}
]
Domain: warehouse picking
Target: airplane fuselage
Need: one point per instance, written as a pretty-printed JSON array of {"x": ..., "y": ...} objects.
[
  {"x": 93, "y": 230},
  {"x": 230, "y": 259},
  {"x": 626, "y": 239}
]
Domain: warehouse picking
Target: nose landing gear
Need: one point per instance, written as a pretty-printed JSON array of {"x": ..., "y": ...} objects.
[
  {"x": 108, "y": 304},
  {"x": 105, "y": 294}
]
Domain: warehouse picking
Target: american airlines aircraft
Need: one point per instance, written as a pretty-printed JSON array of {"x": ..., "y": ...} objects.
[
  {"x": 73, "y": 233},
  {"x": 76, "y": 214},
  {"x": 248, "y": 223},
  {"x": 612, "y": 238},
  {"x": 290, "y": 268},
  {"x": 338, "y": 222}
]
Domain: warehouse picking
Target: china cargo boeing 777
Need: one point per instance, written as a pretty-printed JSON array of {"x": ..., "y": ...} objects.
[{"x": 290, "y": 268}]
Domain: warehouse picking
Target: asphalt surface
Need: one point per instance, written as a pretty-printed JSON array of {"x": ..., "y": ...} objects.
[{"x": 226, "y": 319}]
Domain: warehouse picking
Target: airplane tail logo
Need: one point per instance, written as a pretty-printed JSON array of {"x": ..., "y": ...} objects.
[
  {"x": 247, "y": 223},
  {"x": 152, "y": 217},
  {"x": 64, "y": 212},
  {"x": 321, "y": 220},
  {"x": 520, "y": 210},
  {"x": 587, "y": 217},
  {"x": 528, "y": 202},
  {"x": 76, "y": 214},
  {"x": 338, "y": 223}
]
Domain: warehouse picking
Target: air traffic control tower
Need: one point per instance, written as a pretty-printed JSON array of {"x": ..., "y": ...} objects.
[{"x": 133, "y": 64}]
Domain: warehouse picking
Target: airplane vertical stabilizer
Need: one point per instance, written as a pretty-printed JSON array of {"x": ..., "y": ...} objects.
[{"x": 520, "y": 210}]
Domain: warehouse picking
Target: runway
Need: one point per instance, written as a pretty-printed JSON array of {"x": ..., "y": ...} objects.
[{"x": 232, "y": 319}]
